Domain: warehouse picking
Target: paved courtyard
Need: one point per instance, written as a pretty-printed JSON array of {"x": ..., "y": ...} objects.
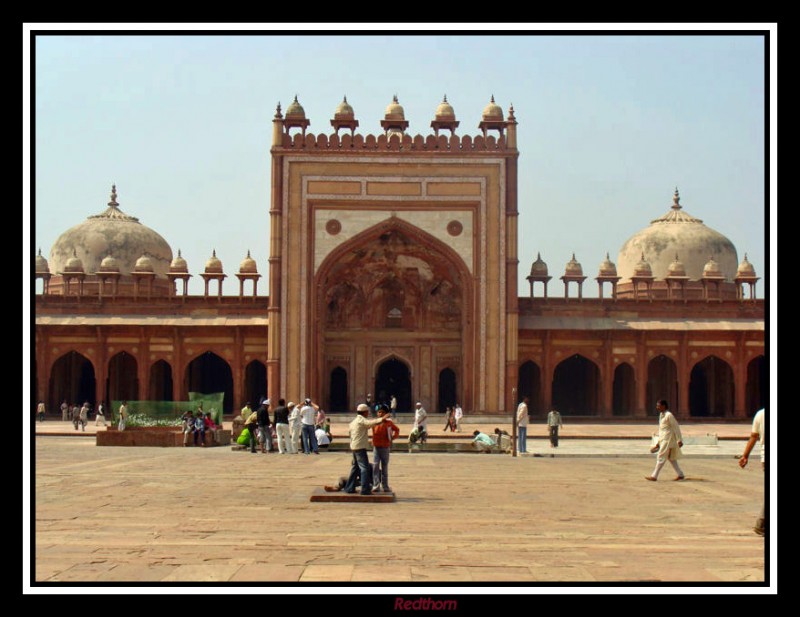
[{"x": 116, "y": 515}]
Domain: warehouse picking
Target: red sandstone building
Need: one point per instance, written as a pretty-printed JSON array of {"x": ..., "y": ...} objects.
[{"x": 393, "y": 270}]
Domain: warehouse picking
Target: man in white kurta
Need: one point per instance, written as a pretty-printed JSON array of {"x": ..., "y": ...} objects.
[
  {"x": 669, "y": 443},
  {"x": 757, "y": 434}
]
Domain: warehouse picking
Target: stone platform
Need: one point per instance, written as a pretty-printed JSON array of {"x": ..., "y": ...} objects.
[{"x": 320, "y": 494}]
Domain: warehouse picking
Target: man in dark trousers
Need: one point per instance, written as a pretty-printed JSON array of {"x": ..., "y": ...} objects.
[{"x": 264, "y": 433}]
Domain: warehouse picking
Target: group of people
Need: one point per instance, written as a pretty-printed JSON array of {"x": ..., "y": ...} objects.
[
  {"x": 196, "y": 425},
  {"x": 554, "y": 423},
  {"x": 452, "y": 418},
  {"x": 293, "y": 427}
]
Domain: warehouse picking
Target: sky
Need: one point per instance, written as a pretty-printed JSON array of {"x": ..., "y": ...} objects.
[{"x": 610, "y": 123}]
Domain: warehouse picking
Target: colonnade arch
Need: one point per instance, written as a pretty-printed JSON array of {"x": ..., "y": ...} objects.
[
  {"x": 255, "y": 383},
  {"x": 447, "y": 389},
  {"x": 529, "y": 383},
  {"x": 122, "y": 383},
  {"x": 756, "y": 388},
  {"x": 72, "y": 379},
  {"x": 338, "y": 398},
  {"x": 662, "y": 383},
  {"x": 711, "y": 389},
  {"x": 161, "y": 385},
  {"x": 208, "y": 373},
  {"x": 624, "y": 391},
  {"x": 393, "y": 376},
  {"x": 576, "y": 382}
]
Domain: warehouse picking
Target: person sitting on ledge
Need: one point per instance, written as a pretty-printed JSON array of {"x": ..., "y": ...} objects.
[
  {"x": 188, "y": 427},
  {"x": 200, "y": 428}
]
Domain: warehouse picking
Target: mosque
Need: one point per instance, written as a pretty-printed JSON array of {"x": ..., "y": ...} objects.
[{"x": 393, "y": 269}]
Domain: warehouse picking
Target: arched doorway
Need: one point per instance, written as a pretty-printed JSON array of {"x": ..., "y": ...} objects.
[
  {"x": 123, "y": 378},
  {"x": 575, "y": 387},
  {"x": 756, "y": 385},
  {"x": 72, "y": 379},
  {"x": 207, "y": 374},
  {"x": 447, "y": 389},
  {"x": 529, "y": 383},
  {"x": 711, "y": 389},
  {"x": 393, "y": 377},
  {"x": 255, "y": 383},
  {"x": 338, "y": 390},
  {"x": 160, "y": 381},
  {"x": 662, "y": 383},
  {"x": 624, "y": 390}
]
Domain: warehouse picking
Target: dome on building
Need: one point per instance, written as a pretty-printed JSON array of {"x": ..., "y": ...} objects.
[
  {"x": 143, "y": 264},
  {"x": 492, "y": 111},
  {"x": 295, "y": 110},
  {"x": 607, "y": 267},
  {"x": 178, "y": 265},
  {"x": 109, "y": 264},
  {"x": 74, "y": 263},
  {"x": 573, "y": 267},
  {"x": 445, "y": 111},
  {"x": 745, "y": 268},
  {"x": 676, "y": 268},
  {"x": 344, "y": 109},
  {"x": 248, "y": 265},
  {"x": 677, "y": 232},
  {"x": 213, "y": 265},
  {"x": 642, "y": 267},
  {"x": 538, "y": 268},
  {"x": 40, "y": 264},
  {"x": 111, "y": 233},
  {"x": 711, "y": 269},
  {"x": 394, "y": 111}
]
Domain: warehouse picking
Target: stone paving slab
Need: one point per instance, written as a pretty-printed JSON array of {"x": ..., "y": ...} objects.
[{"x": 138, "y": 515}]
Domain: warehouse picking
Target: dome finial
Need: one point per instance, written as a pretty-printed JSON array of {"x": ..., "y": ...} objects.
[
  {"x": 676, "y": 200},
  {"x": 113, "y": 203},
  {"x": 394, "y": 99},
  {"x": 278, "y": 113},
  {"x": 445, "y": 98}
]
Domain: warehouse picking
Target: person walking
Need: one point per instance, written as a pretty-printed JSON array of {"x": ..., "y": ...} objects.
[
  {"x": 40, "y": 411},
  {"x": 100, "y": 416},
  {"x": 669, "y": 443},
  {"x": 382, "y": 437},
  {"x": 393, "y": 407},
  {"x": 295, "y": 428},
  {"x": 757, "y": 434},
  {"x": 458, "y": 414},
  {"x": 64, "y": 410},
  {"x": 420, "y": 418},
  {"x": 123, "y": 415},
  {"x": 553, "y": 424},
  {"x": 522, "y": 425}
]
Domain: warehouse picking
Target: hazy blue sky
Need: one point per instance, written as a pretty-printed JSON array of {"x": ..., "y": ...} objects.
[{"x": 609, "y": 126}]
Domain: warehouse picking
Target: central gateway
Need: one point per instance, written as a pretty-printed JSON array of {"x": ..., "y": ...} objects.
[{"x": 393, "y": 264}]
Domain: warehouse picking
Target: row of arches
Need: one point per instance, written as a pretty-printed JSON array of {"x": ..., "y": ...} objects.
[
  {"x": 73, "y": 378},
  {"x": 576, "y": 387}
]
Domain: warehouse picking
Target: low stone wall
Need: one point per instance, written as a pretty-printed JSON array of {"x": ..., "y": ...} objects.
[{"x": 154, "y": 437}]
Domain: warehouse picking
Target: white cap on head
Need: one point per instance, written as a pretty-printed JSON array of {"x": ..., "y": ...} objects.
[{"x": 362, "y": 407}]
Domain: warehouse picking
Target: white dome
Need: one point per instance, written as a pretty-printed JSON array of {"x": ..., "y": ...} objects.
[
  {"x": 111, "y": 233},
  {"x": 677, "y": 233}
]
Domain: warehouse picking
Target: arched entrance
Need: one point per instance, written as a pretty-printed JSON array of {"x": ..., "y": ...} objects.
[
  {"x": 123, "y": 380},
  {"x": 71, "y": 379},
  {"x": 662, "y": 383},
  {"x": 255, "y": 383},
  {"x": 393, "y": 377},
  {"x": 575, "y": 387},
  {"x": 338, "y": 390},
  {"x": 160, "y": 381},
  {"x": 530, "y": 384},
  {"x": 447, "y": 389},
  {"x": 624, "y": 390},
  {"x": 756, "y": 385},
  {"x": 207, "y": 374},
  {"x": 711, "y": 389}
]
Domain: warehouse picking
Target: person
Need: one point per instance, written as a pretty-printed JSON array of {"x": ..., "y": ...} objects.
[
  {"x": 359, "y": 440},
  {"x": 282, "y": 434},
  {"x": 448, "y": 419},
  {"x": 757, "y": 434},
  {"x": 200, "y": 427},
  {"x": 123, "y": 415},
  {"x": 246, "y": 411},
  {"x": 553, "y": 424},
  {"x": 264, "y": 429},
  {"x": 522, "y": 425},
  {"x": 482, "y": 442},
  {"x": 79, "y": 418},
  {"x": 323, "y": 438},
  {"x": 188, "y": 427},
  {"x": 320, "y": 419},
  {"x": 382, "y": 437},
  {"x": 40, "y": 411},
  {"x": 64, "y": 410},
  {"x": 669, "y": 443},
  {"x": 101, "y": 414},
  {"x": 307, "y": 419},
  {"x": 211, "y": 426},
  {"x": 420, "y": 419},
  {"x": 295, "y": 428},
  {"x": 458, "y": 415},
  {"x": 251, "y": 424},
  {"x": 393, "y": 406}
]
